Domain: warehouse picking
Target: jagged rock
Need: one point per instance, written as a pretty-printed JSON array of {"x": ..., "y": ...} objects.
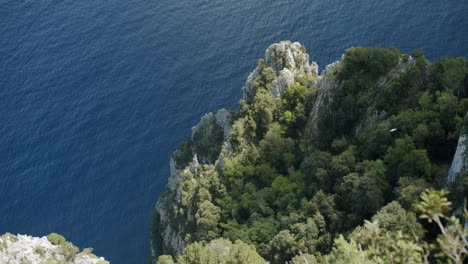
[
  {"x": 285, "y": 64},
  {"x": 285, "y": 79},
  {"x": 289, "y": 61},
  {"x": 292, "y": 56},
  {"x": 169, "y": 236},
  {"x": 460, "y": 159},
  {"x": 27, "y": 249},
  {"x": 209, "y": 134},
  {"x": 207, "y": 141},
  {"x": 209, "y": 144},
  {"x": 247, "y": 90},
  {"x": 194, "y": 164},
  {"x": 173, "y": 176},
  {"x": 222, "y": 119},
  {"x": 326, "y": 82}
]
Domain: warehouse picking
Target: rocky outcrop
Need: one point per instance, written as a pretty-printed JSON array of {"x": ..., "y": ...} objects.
[
  {"x": 460, "y": 159},
  {"x": 208, "y": 136},
  {"x": 290, "y": 62},
  {"x": 287, "y": 64},
  {"x": 171, "y": 221},
  {"x": 290, "y": 56},
  {"x": 196, "y": 170},
  {"x": 223, "y": 121},
  {"x": 326, "y": 82},
  {"x": 27, "y": 249},
  {"x": 169, "y": 236}
]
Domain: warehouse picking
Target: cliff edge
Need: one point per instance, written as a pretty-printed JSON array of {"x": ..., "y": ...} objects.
[
  {"x": 19, "y": 249},
  {"x": 308, "y": 157}
]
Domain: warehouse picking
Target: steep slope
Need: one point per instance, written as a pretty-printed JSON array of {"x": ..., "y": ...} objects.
[
  {"x": 460, "y": 159},
  {"x": 284, "y": 63},
  {"x": 308, "y": 157},
  {"x": 50, "y": 249}
]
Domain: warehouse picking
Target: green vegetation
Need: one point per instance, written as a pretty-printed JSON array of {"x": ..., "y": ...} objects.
[
  {"x": 206, "y": 142},
  {"x": 219, "y": 251},
  {"x": 65, "y": 248},
  {"x": 344, "y": 190},
  {"x": 29, "y": 249}
]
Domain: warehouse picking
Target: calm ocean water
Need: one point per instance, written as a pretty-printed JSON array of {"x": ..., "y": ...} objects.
[{"x": 95, "y": 94}]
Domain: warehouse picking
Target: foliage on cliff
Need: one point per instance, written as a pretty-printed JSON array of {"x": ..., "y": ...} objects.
[
  {"x": 300, "y": 172},
  {"x": 51, "y": 249}
]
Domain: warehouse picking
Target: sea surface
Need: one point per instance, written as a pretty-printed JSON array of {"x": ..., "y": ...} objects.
[{"x": 95, "y": 94}]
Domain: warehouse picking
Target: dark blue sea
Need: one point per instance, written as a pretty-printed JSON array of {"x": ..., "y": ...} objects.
[{"x": 95, "y": 94}]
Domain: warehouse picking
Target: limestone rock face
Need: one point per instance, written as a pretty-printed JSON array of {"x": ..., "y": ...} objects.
[
  {"x": 460, "y": 159},
  {"x": 285, "y": 79},
  {"x": 328, "y": 84},
  {"x": 195, "y": 169},
  {"x": 287, "y": 62},
  {"x": 291, "y": 56},
  {"x": 169, "y": 236},
  {"x": 208, "y": 135},
  {"x": 170, "y": 224},
  {"x": 325, "y": 83},
  {"x": 290, "y": 62},
  {"x": 248, "y": 90},
  {"x": 222, "y": 119},
  {"x": 28, "y": 249}
]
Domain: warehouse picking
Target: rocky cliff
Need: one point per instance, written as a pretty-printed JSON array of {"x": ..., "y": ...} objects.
[
  {"x": 171, "y": 222},
  {"x": 51, "y": 249},
  {"x": 460, "y": 159},
  {"x": 285, "y": 63},
  {"x": 367, "y": 126},
  {"x": 289, "y": 62}
]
